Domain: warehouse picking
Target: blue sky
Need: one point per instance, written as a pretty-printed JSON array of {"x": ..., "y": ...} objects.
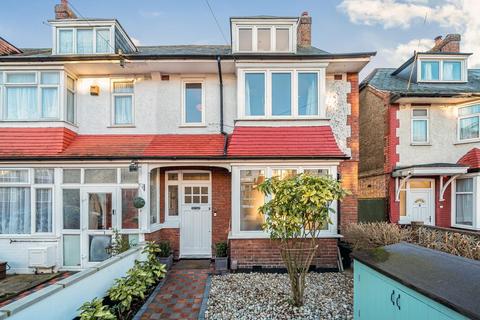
[{"x": 391, "y": 27}]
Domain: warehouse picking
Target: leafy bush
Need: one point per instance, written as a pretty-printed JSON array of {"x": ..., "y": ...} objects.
[
  {"x": 165, "y": 249},
  {"x": 120, "y": 243},
  {"x": 374, "y": 234},
  {"x": 95, "y": 310},
  {"x": 221, "y": 249}
]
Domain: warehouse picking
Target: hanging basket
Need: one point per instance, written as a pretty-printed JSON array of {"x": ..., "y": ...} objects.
[{"x": 138, "y": 202}]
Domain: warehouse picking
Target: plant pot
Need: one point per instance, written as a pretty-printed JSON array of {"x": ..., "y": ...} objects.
[
  {"x": 221, "y": 263},
  {"x": 3, "y": 270},
  {"x": 167, "y": 261}
]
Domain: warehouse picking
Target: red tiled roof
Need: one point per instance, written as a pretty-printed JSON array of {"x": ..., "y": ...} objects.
[
  {"x": 317, "y": 141},
  {"x": 471, "y": 159}
]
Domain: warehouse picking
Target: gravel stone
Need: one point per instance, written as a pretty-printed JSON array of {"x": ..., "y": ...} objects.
[{"x": 246, "y": 296}]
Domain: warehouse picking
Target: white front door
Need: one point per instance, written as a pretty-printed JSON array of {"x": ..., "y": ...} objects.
[
  {"x": 420, "y": 205},
  {"x": 99, "y": 218},
  {"x": 196, "y": 221}
]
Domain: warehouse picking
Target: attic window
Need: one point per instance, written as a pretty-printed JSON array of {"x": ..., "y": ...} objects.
[
  {"x": 264, "y": 38},
  {"x": 442, "y": 70},
  {"x": 84, "y": 40}
]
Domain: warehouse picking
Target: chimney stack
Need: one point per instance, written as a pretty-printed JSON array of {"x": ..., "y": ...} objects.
[
  {"x": 304, "y": 31},
  {"x": 63, "y": 11},
  {"x": 451, "y": 43}
]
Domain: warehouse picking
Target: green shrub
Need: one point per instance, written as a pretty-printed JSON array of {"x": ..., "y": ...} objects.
[
  {"x": 95, "y": 310},
  {"x": 221, "y": 249},
  {"x": 120, "y": 243},
  {"x": 165, "y": 249},
  {"x": 372, "y": 235}
]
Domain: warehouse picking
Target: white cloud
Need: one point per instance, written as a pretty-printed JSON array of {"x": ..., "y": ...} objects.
[
  {"x": 457, "y": 16},
  {"x": 136, "y": 41},
  {"x": 396, "y": 56}
]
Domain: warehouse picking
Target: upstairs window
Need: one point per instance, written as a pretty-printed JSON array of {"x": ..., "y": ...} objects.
[
  {"x": 264, "y": 38},
  {"x": 452, "y": 70},
  {"x": 430, "y": 70},
  {"x": 469, "y": 123},
  {"x": 70, "y": 105},
  {"x": 442, "y": 70},
  {"x": 123, "y": 103},
  {"x": 84, "y": 40},
  {"x": 255, "y": 94},
  {"x": 419, "y": 126},
  {"x": 193, "y": 103}
]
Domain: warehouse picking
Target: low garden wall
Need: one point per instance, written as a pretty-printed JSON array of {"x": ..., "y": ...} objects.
[{"x": 62, "y": 299}]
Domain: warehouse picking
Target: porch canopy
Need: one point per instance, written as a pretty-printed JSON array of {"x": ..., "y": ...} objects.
[{"x": 450, "y": 170}]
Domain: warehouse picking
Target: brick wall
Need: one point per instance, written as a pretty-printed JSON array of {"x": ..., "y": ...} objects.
[
  {"x": 266, "y": 253},
  {"x": 373, "y": 187},
  {"x": 170, "y": 234},
  {"x": 443, "y": 209}
]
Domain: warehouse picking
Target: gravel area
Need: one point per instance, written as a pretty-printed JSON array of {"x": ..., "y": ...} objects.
[{"x": 266, "y": 296}]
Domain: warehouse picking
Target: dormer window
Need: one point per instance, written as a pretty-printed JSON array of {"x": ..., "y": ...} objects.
[{"x": 442, "y": 70}]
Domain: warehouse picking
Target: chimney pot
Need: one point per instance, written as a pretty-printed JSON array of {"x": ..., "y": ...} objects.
[
  {"x": 63, "y": 11},
  {"x": 304, "y": 31},
  {"x": 305, "y": 14},
  {"x": 438, "y": 39},
  {"x": 451, "y": 43}
]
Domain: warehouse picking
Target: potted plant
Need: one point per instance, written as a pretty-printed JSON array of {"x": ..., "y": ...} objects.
[
  {"x": 221, "y": 256},
  {"x": 165, "y": 256}
]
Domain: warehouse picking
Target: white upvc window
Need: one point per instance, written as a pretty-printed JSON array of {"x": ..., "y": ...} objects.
[
  {"x": 281, "y": 93},
  {"x": 172, "y": 195},
  {"x": 445, "y": 69},
  {"x": 246, "y": 198},
  {"x": 465, "y": 204},
  {"x": 420, "y": 126},
  {"x": 70, "y": 105},
  {"x": 26, "y": 201},
  {"x": 123, "y": 109},
  {"x": 264, "y": 38},
  {"x": 193, "y": 102},
  {"x": 469, "y": 123},
  {"x": 30, "y": 95},
  {"x": 84, "y": 40}
]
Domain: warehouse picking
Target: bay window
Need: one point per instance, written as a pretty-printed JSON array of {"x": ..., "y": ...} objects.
[
  {"x": 251, "y": 199},
  {"x": 469, "y": 122},
  {"x": 122, "y": 97},
  {"x": 281, "y": 93},
  {"x": 70, "y": 105},
  {"x": 464, "y": 201}
]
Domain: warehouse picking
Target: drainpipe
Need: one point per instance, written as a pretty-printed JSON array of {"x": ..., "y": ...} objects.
[{"x": 220, "y": 78}]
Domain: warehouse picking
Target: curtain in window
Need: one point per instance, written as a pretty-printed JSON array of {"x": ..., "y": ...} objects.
[
  {"x": 103, "y": 40},
  {"x": 469, "y": 128},
  {"x": 123, "y": 110},
  {"x": 464, "y": 202},
  {"x": 65, "y": 41},
  {"x": 43, "y": 208},
  {"x": 49, "y": 102},
  {"x": 419, "y": 131},
  {"x": 451, "y": 70},
  {"x": 14, "y": 210},
  {"x": 21, "y": 77},
  {"x": 85, "y": 41},
  {"x": 430, "y": 70},
  {"x": 21, "y": 103}
]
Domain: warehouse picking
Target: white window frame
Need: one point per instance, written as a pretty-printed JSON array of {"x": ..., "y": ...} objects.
[
  {"x": 236, "y": 233},
  {"x": 112, "y": 104},
  {"x": 4, "y": 85},
  {"x": 459, "y": 117},
  {"x": 476, "y": 203},
  {"x": 420, "y": 118},
  {"x": 184, "y": 123},
  {"x": 74, "y": 91},
  {"x": 268, "y": 92},
  {"x": 273, "y": 26},
  {"x": 155, "y": 226},
  {"x": 427, "y": 58},
  {"x": 94, "y": 29},
  {"x": 169, "y": 218}
]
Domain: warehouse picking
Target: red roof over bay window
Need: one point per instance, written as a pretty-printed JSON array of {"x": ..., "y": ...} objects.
[{"x": 471, "y": 159}]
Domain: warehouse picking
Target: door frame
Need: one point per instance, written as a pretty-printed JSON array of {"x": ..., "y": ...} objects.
[{"x": 408, "y": 218}]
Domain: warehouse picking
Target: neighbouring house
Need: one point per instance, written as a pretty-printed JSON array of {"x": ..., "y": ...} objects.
[
  {"x": 94, "y": 122},
  {"x": 419, "y": 138}
]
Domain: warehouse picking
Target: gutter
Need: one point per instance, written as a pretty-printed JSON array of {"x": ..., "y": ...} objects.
[
  {"x": 220, "y": 79},
  {"x": 397, "y": 96}
]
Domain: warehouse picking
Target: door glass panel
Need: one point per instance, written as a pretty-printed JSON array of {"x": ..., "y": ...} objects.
[
  {"x": 99, "y": 211},
  {"x": 71, "y": 209},
  {"x": 420, "y": 184},
  {"x": 129, "y": 212},
  {"x": 71, "y": 250},
  {"x": 173, "y": 176},
  {"x": 196, "y": 176},
  {"x": 100, "y": 175},
  {"x": 173, "y": 200},
  {"x": 99, "y": 248}
]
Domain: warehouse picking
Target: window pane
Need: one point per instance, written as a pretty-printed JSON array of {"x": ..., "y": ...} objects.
[
  {"x": 98, "y": 248},
  {"x": 419, "y": 131},
  {"x": 193, "y": 102},
  {"x": 100, "y": 175},
  {"x": 420, "y": 112},
  {"x": 153, "y": 196},
  {"x": 44, "y": 176},
  {"x": 9, "y": 176},
  {"x": 21, "y": 78},
  {"x": 129, "y": 212},
  {"x": 281, "y": 94},
  {"x": 99, "y": 211},
  {"x": 70, "y": 84},
  {"x": 71, "y": 175},
  {"x": 263, "y": 37},
  {"x": 245, "y": 39},
  {"x": 251, "y": 199},
  {"x": 420, "y": 184},
  {"x": 173, "y": 200},
  {"x": 308, "y": 94},
  {"x": 469, "y": 110},
  {"x": 71, "y": 250},
  {"x": 49, "y": 102},
  {"x": 50, "y": 78},
  {"x": 196, "y": 176},
  {"x": 127, "y": 176},
  {"x": 469, "y": 128},
  {"x": 123, "y": 87},
  {"x": 103, "y": 40},
  {"x": 317, "y": 172},
  {"x": 173, "y": 176},
  {"x": 284, "y": 173},
  {"x": 70, "y": 106},
  {"x": 71, "y": 209},
  {"x": 464, "y": 209},
  {"x": 14, "y": 210},
  {"x": 282, "y": 40},
  {"x": 65, "y": 41},
  {"x": 254, "y": 94},
  {"x": 452, "y": 70},
  {"x": 430, "y": 70},
  {"x": 84, "y": 41},
  {"x": 123, "y": 110},
  {"x": 43, "y": 206},
  {"x": 21, "y": 103},
  {"x": 464, "y": 185}
]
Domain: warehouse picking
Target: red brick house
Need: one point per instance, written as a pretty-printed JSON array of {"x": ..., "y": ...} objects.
[
  {"x": 96, "y": 121},
  {"x": 419, "y": 138}
]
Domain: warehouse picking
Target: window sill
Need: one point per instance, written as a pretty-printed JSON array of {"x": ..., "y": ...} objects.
[
  {"x": 460, "y": 142},
  {"x": 460, "y": 226},
  {"x": 270, "y": 118},
  {"x": 420, "y": 144},
  {"x": 122, "y": 126},
  {"x": 192, "y": 125}
]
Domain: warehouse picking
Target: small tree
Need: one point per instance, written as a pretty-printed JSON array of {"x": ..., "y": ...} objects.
[{"x": 298, "y": 210}]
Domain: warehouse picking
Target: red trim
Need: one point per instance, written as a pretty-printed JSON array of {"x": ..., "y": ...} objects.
[{"x": 471, "y": 159}]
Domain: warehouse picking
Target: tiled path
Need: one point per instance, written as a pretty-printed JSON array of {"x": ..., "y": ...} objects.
[{"x": 180, "y": 297}]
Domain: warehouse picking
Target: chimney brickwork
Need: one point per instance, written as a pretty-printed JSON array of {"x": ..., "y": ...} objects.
[
  {"x": 451, "y": 43},
  {"x": 304, "y": 31},
  {"x": 63, "y": 11}
]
